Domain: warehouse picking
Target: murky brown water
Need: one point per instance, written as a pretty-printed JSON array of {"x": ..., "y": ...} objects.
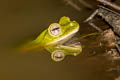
[{"x": 25, "y": 19}]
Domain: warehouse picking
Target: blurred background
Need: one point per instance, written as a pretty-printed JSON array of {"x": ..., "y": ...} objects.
[{"x": 26, "y": 19}]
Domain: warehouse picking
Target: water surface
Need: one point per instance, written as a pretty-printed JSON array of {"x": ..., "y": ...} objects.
[{"x": 26, "y": 19}]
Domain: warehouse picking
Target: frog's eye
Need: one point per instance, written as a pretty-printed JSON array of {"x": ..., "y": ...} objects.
[
  {"x": 54, "y": 29},
  {"x": 58, "y": 55}
]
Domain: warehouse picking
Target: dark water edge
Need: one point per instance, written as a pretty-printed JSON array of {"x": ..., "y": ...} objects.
[{"x": 24, "y": 20}]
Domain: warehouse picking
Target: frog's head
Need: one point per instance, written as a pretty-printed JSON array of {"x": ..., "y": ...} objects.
[{"x": 58, "y": 33}]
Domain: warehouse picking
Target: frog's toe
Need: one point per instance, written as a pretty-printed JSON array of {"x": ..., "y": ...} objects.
[{"x": 58, "y": 55}]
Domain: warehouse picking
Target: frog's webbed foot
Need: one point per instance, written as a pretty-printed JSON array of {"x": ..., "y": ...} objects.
[{"x": 58, "y": 55}]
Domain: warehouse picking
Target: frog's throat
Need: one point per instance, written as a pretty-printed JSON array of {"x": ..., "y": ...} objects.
[{"x": 63, "y": 39}]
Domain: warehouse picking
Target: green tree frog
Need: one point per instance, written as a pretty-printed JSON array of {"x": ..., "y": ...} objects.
[{"x": 55, "y": 36}]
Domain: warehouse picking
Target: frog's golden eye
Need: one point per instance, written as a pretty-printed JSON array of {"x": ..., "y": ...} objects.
[
  {"x": 54, "y": 29},
  {"x": 57, "y": 55}
]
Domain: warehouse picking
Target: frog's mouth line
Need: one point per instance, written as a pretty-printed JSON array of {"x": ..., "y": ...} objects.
[{"x": 66, "y": 38}]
